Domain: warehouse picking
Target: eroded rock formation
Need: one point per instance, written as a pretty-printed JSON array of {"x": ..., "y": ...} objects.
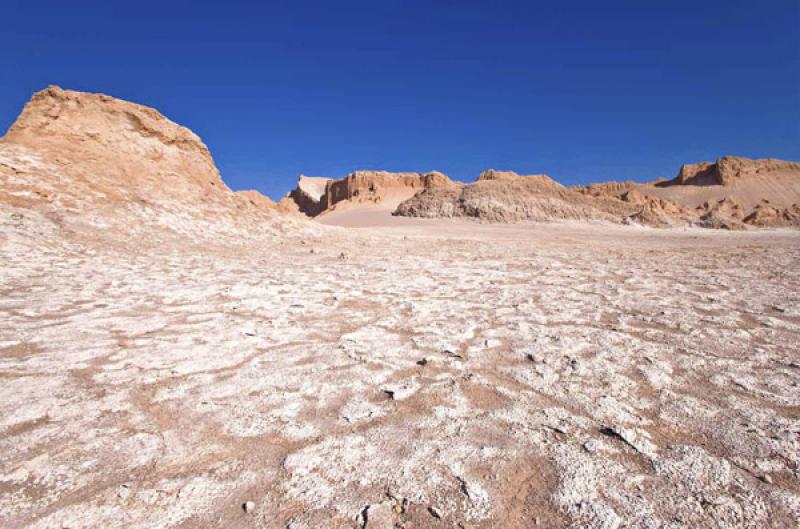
[
  {"x": 730, "y": 193},
  {"x": 315, "y": 195},
  {"x": 97, "y": 160}
]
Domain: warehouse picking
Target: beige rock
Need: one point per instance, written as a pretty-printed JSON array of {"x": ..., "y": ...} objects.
[{"x": 316, "y": 195}]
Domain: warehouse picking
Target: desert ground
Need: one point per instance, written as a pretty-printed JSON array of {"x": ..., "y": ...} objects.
[{"x": 411, "y": 373}]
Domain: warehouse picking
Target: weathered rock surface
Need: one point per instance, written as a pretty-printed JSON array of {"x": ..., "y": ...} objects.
[
  {"x": 728, "y": 170},
  {"x": 314, "y": 196},
  {"x": 119, "y": 150},
  {"x": 713, "y": 195},
  {"x": 308, "y": 195},
  {"x": 733, "y": 188},
  {"x": 504, "y": 196},
  {"x": 583, "y": 375},
  {"x": 94, "y": 160}
]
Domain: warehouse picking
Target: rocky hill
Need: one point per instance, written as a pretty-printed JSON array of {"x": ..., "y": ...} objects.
[
  {"x": 91, "y": 159},
  {"x": 731, "y": 193},
  {"x": 504, "y": 196}
]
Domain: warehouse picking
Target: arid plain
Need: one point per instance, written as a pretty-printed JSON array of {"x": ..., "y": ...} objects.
[{"x": 174, "y": 354}]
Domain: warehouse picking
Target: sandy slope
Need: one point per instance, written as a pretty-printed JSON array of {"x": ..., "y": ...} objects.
[
  {"x": 782, "y": 190},
  {"x": 360, "y": 214}
]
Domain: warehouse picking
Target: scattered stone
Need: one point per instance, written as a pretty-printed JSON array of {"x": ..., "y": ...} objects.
[
  {"x": 451, "y": 354},
  {"x": 401, "y": 391},
  {"x": 435, "y": 512},
  {"x": 766, "y": 478},
  {"x": 124, "y": 492},
  {"x": 636, "y": 439},
  {"x": 400, "y": 504},
  {"x": 249, "y": 506},
  {"x": 377, "y": 516}
]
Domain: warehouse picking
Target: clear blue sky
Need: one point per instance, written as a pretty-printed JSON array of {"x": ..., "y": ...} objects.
[{"x": 581, "y": 90}]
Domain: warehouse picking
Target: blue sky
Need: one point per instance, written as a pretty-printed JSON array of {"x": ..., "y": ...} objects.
[{"x": 582, "y": 90}]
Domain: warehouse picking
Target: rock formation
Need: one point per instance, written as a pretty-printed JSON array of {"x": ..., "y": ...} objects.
[
  {"x": 120, "y": 150},
  {"x": 316, "y": 195},
  {"x": 308, "y": 195},
  {"x": 730, "y": 193},
  {"x": 727, "y": 170},
  {"x": 102, "y": 161},
  {"x": 504, "y": 196}
]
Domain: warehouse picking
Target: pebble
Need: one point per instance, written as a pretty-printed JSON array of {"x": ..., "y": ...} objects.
[
  {"x": 249, "y": 506},
  {"x": 378, "y": 516},
  {"x": 766, "y": 478},
  {"x": 123, "y": 492}
]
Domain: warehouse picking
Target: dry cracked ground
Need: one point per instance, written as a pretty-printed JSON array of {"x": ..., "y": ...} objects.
[{"x": 468, "y": 376}]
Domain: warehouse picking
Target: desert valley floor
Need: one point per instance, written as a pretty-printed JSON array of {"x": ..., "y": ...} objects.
[{"x": 419, "y": 375}]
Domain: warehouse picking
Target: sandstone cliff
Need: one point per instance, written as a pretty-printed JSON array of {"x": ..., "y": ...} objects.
[
  {"x": 96, "y": 160},
  {"x": 315, "y": 195}
]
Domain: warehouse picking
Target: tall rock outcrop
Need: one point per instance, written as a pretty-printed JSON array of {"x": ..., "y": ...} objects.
[
  {"x": 119, "y": 149},
  {"x": 108, "y": 162},
  {"x": 308, "y": 195}
]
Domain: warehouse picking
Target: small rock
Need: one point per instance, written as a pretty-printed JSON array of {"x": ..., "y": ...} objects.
[
  {"x": 123, "y": 492},
  {"x": 435, "y": 512},
  {"x": 378, "y": 516},
  {"x": 766, "y": 478},
  {"x": 400, "y": 392},
  {"x": 249, "y": 506},
  {"x": 400, "y": 505},
  {"x": 342, "y": 256}
]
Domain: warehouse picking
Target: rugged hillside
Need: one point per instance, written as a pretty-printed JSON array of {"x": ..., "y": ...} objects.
[
  {"x": 731, "y": 193},
  {"x": 95, "y": 160},
  {"x": 504, "y": 196},
  {"x": 316, "y": 195}
]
